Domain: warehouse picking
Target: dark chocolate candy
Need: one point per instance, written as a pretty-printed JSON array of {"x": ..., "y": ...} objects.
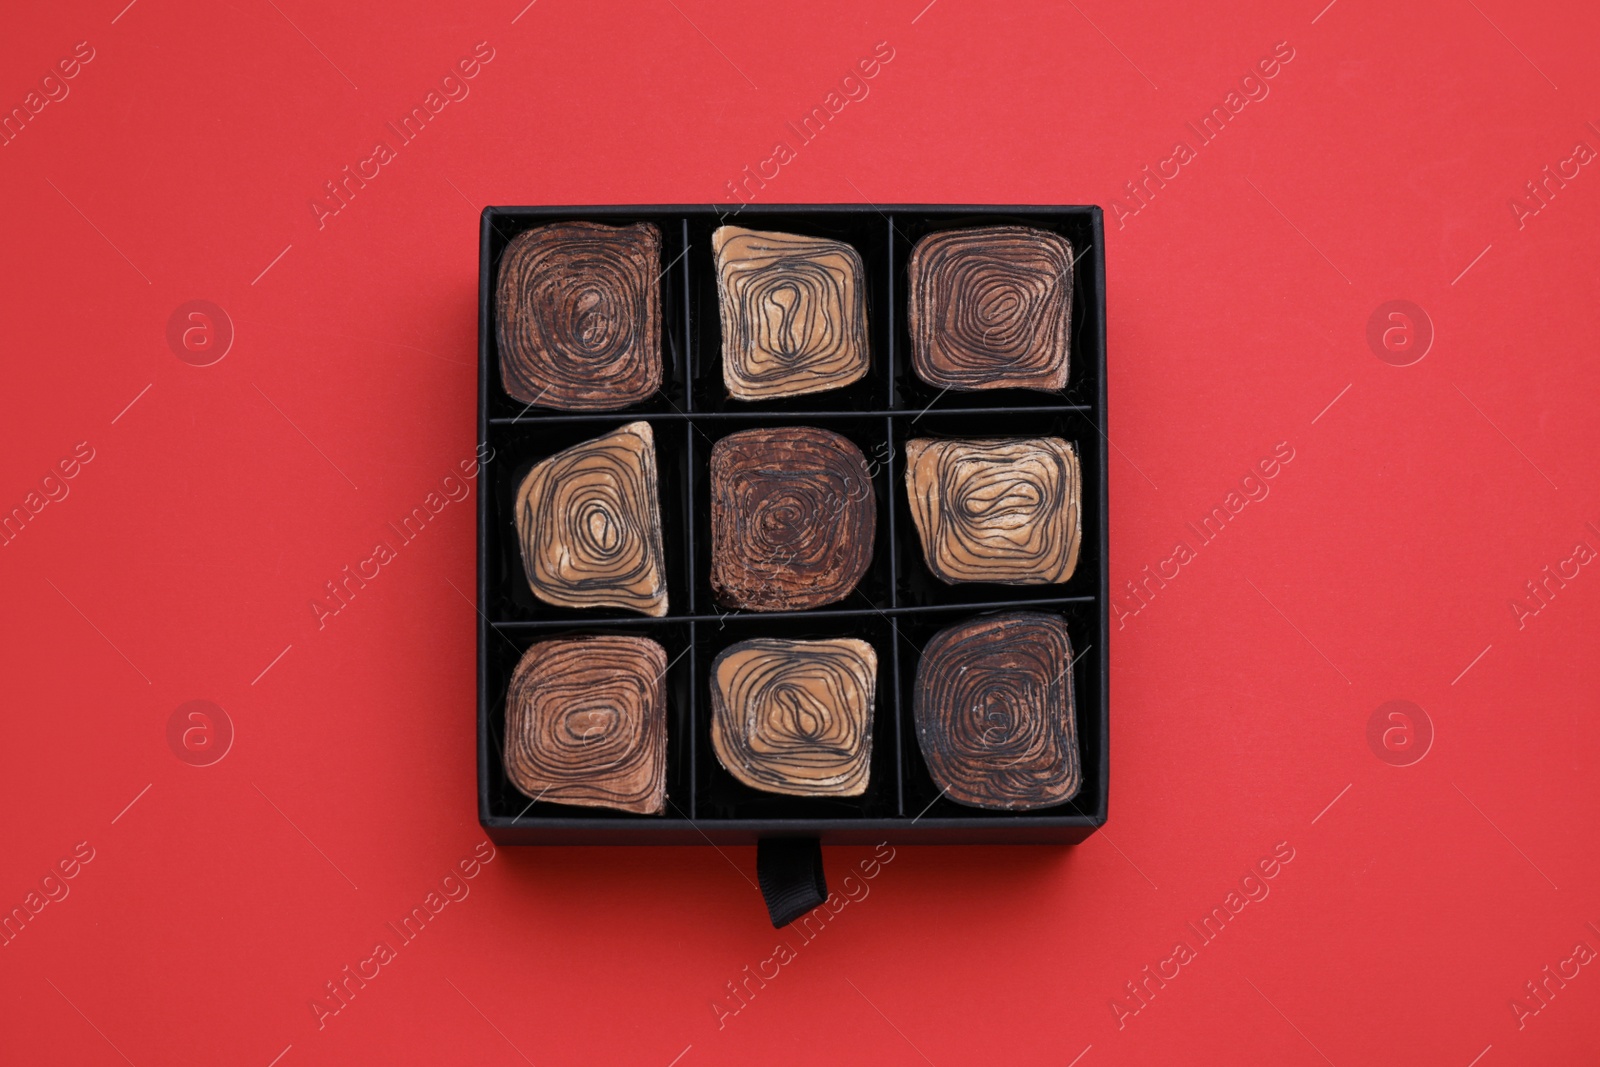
[
  {"x": 578, "y": 315},
  {"x": 990, "y": 308},
  {"x": 994, "y": 712},
  {"x": 792, "y": 518}
]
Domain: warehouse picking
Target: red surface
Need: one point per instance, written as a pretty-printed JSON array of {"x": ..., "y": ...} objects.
[{"x": 1382, "y": 564}]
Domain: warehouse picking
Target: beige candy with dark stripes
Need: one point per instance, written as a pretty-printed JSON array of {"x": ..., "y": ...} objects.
[
  {"x": 794, "y": 317},
  {"x": 795, "y": 717},
  {"x": 1004, "y": 510},
  {"x": 589, "y": 522}
]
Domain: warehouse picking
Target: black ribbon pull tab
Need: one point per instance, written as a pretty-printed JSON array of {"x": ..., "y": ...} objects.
[{"x": 790, "y": 872}]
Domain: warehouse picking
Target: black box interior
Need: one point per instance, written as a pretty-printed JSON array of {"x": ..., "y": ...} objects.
[{"x": 898, "y": 605}]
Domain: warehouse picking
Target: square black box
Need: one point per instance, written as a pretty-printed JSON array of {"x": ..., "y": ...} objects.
[{"x": 899, "y": 604}]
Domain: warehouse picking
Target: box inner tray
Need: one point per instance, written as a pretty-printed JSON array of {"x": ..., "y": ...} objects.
[{"x": 897, "y": 606}]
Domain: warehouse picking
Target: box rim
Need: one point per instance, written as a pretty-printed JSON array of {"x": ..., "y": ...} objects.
[{"x": 984, "y": 828}]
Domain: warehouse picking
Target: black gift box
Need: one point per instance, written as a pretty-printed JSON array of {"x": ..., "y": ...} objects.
[{"x": 899, "y": 604}]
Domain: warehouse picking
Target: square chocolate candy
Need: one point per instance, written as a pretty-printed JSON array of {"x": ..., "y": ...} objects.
[
  {"x": 1006, "y": 510},
  {"x": 794, "y": 316},
  {"x": 792, "y": 518},
  {"x": 589, "y": 523},
  {"x": 578, "y": 315},
  {"x": 795, "y": 717},
  {"x": 990, "y": 308},
  {"x": 586, "y": 723},
  {"x": 994, "y": 712}
]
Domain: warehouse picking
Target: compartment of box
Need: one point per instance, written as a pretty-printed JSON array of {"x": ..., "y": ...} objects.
[
  {"x": 1080, "y": 226},
  {"x": 917, "y": 585},
  {"x": 506, "y": 223},
  {"x": 501, "y": 800},
  {"x": 867, "y": 233},
  {"x": 924, "y": 800},
  {"x": 720, "y": 795},
  {"x": 517, "y": 448}
]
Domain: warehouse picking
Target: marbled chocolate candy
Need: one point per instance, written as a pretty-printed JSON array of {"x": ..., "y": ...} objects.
[
  {"x": 991, "y": 308},
  {"x": 792, "y": 518},
  {"x": 589, "y": 522},
  {"x": 1003, "y": 510},
  {"x": 795, "y": 717},
  {"x": 586, "y": 723},
  {"x": 794, "y": 317},
  {"x": 994, "y": 712},
  {"x": 578, "y": 315}
]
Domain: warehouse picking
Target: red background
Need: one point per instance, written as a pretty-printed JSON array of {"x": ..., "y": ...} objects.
[{"x": 1381, "y": 567}]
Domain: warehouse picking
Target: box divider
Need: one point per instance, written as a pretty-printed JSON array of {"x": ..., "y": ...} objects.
[
  {"x": 693, "y": 810},
  {"x": 894, "y": 314},
  {"x": 686, "y": 333},
  {"x": 691, "y": 523},
  {"x": 898, "y": 703}
]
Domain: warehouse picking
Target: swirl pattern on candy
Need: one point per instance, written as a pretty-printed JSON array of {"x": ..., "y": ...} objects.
[
  {"x": 795, "y": 717},
  {"x": 586, "y": 723},
  {"x": 578, "y": 315},
  {"x": 990, "y": 308},
  {"x": 1005, "y": 510},
  {"x": 589, "y": 523},
  {"x": 794, "y": 317},
  {"x": 792, "y": 518},
  {"x": 994, "y": 712}
]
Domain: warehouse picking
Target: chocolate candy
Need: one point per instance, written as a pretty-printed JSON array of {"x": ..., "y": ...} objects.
[
  {"x": 578, "y": 315},
  {"x": 990, "y": 308},
  {"x": 586, "y": 723},
  {"x": 994, "y": 712},
  {"x": 589, "y": 522},
  {"x": 795, "y": 717},
  {"x": 1003, "y": 510},
  {"x": 794, "y": 317},
  {"x": 792, "y": 518}
]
